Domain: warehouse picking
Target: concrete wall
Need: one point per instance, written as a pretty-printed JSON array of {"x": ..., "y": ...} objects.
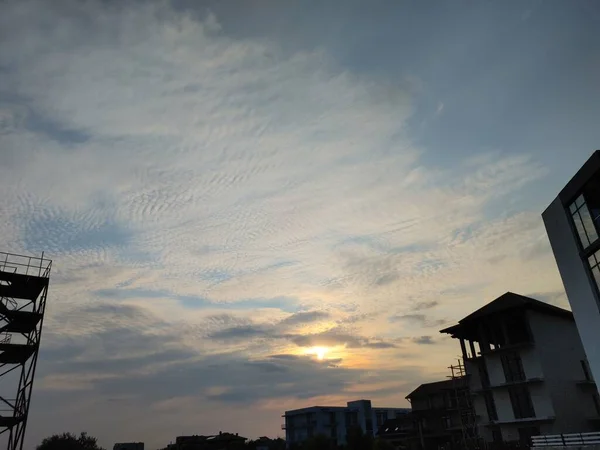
[
  {"x": 578, "y": 285},
  {"x": 560, "y": 353}
]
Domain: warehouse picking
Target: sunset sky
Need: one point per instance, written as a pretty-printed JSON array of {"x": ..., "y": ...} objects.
[{"x": 260, "y": 205}]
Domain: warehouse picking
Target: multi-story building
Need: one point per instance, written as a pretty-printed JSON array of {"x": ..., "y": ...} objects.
[
  {"x": 527, "y": 370},
  {"x": 335, "y": 421},
  {"x": 441, "y": 417},
  {"x": 442, "y": 411},
  {"x": 573, "y": 225}
]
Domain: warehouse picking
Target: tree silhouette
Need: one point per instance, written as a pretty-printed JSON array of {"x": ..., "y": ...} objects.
[
  {"x": 380, "y": 444},
  {"x": 68, "y": 441},
  {"x": 318, "y": 442},
  {"x": 357, "y": 440}
]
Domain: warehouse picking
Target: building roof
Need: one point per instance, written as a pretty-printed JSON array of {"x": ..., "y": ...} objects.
[
  {"x": 507, "y": 302},
  {"x": 575, "y": 184},
  {"x": 437, "y": 386}
]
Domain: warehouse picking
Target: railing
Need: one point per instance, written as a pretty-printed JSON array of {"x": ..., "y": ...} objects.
[
  {"x": 25, "y": 265},
  {"x": 565, "y": 440}
]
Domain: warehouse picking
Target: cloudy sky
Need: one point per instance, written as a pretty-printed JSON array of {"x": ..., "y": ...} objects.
[{"x": 261, "y": 205}]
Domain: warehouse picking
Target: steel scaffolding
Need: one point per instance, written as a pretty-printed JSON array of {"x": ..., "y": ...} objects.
[
  {"x": 23, "y": 291},
  {"x": 464, "y": 404}
]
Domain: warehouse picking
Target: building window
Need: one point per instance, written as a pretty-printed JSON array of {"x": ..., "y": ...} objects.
[
  {"x": 586, "y": 370},
  {"x": 447, "y": 421},
  {"x": 490, "y": 406},
  {"x": 526, "y": 433},
  {"x": 483, "y": 374},
  {"x": 521, "y": 402},
  {"x": 496, "y": 435},
  {"x": 594, "y": 262},
  {"x": 597, "y": 403},
  {"x": 513, "y": 367},
  {"x": 381, "y": 417},
  {"x": 351, "y": 419},
  {"x": 583, "y": 221}
]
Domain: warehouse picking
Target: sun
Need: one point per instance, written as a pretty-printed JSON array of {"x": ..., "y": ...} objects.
[{"x": 319, "y": 352}]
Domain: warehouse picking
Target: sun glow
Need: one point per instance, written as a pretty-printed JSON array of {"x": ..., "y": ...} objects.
[{"x": 319, "y": 352}]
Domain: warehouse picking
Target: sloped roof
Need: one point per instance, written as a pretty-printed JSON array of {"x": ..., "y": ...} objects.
[
  {"x": 511, "y": 301},
  {"x": 437, "y": 386}
]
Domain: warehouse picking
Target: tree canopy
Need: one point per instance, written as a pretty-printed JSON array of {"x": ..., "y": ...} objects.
[{"x": 68, "y": 441}]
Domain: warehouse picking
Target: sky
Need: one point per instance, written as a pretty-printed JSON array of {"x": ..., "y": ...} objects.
[{"x": 254, "y": 206}]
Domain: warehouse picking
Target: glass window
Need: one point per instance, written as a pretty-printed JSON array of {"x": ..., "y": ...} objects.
[
  {"x": 513, "y": 367},
  {"x": 520, "y": 398},
  {"x": 594, "y": 262},
  {"x": 584, "y": 223},
  {"x": 490, "y": 406}
]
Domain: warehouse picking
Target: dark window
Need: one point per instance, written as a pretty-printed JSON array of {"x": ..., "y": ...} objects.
[
  {"x": 351, "y": 419},
  {"x": 369, "y": 423},
  {"x": 521, "y": 402},
  {"x": 586, "y": 370},
  {"x": 483, "y": 374},
  {"x": 490, "y": 406},
  {"x": 526, "y": 433},
  {"x": 513, "y": 367},
  {"x": 381, "y": 417},
  {"x": 447, "y": 421},
  {"x": 496, "y": 434},
  {"x": 597, "y": 403},
  {"x": 584, "y": 224}
]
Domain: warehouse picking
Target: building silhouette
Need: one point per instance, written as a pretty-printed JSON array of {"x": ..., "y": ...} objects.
[
  {"x": 334, "y": 422},
  {"x": 573, "y": 225}
]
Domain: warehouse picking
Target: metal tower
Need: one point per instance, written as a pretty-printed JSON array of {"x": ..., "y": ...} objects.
[{"x": 23, "y": 290}]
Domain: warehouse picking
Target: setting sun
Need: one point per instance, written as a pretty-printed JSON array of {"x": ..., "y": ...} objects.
[{"x": 320, "y": 352}]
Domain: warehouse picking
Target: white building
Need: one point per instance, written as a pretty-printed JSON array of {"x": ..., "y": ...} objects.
[
  {"x": 573, "y": 225},
  {"x": 527, "y": 370},
  {"x": 335, "y": 421}
]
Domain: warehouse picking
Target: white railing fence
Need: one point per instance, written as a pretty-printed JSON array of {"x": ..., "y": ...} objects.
[{"x": 565, "y": 440}]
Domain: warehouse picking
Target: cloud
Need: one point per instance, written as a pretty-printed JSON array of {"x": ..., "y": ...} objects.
[
  {"x": 418, "y": 319},
  {"x": 239, "y": 332},
  {"x": 305, "y": 317},
  {"x": 216, "y": 199},
  {"x": 420, "y": 306},
  {"x": 423, "y": 340}
]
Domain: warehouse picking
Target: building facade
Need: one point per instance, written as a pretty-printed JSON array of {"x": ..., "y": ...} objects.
[
  {"x": 527, "y": 370},
  {"x": 334, "y": 422},
  {"x": 441, "y": 416},
  {"x": 573, "y": 225}
]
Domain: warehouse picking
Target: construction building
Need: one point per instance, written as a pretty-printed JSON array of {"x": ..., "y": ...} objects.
[
  {"x": 334, "y": 422},
  {"x": 442, "y": 416},
  {"x": 573, "y": 225},
  {"x": 526, "y": 370},
  {"x": 23, "y": 292}
]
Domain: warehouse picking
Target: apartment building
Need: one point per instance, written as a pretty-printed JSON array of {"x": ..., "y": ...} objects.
[
  {"x": 335, "y": 421},
  {"x": 527, "y": 370},
  {"x": 573, "y": 225}
]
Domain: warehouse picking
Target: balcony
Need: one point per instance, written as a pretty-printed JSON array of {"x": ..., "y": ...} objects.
[
  {"x": 506, "y": 384},
  {"x": 519, "y": 421},
  {"x": 508, "y": 347}
]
